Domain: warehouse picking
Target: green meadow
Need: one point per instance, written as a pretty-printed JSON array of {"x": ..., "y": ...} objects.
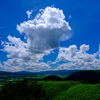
[
  {"x": 70, "y": 90},
  {"x": 54, "y": 88},
  {"x": 80, "y": 92}
]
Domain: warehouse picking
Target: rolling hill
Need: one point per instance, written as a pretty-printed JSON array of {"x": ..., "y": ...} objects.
[
  {"x": 80, "y": 92},
  {"x": 52, "y": 78},
  {"x": 87, "y": 76}
]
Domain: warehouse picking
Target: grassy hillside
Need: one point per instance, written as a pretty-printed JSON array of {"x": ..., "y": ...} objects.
[
  {"x": 80, "y": 92},
  {"x": 52, "y": 88}
]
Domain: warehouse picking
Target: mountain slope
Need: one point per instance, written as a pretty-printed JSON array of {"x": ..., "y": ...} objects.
[{"x": 88, "y": 76}]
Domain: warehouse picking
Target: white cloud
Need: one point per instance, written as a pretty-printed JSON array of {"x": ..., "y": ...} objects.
[
  {"x": 65, "y": 37},
  {"x": 44, "y": 31},
  {"x": 69, "y": 16},
  {"x": 42, "y": 35},
  {"x": 21, "y": 58},
  {"x": 77, "y": 59},
  {"x": 1, "y": 65},
  {"x": 15, "y": 65},
  {"x": 84, "y": 48},
  {"x": 29, "y": 13},
  {"x": 66, "y": 54}
]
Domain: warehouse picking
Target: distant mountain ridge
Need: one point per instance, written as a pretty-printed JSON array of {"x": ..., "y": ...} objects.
[
  {"x": 57, "y": 72},
  {"x": 52, "y": 72},
  {"x": 15, "y": 73}
]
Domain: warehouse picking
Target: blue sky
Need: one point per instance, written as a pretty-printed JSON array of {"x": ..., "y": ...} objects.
[{"x": 51, "y": 43}]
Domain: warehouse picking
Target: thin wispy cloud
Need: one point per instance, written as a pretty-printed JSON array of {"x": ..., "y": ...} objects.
[{"x": 69, "y": 16}]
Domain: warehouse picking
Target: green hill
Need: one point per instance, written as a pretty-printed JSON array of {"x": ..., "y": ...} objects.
[
  {"x": 52, "y": 78},
  {"x": 80, "y": 92},
  {"x": 87, "y": 76},
  {"x": 53, "y": 88}
]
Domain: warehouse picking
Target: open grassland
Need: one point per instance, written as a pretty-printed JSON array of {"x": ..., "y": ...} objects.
[
  {"x": 53, "y": 88},
  {"x": 80, "y": 92}
]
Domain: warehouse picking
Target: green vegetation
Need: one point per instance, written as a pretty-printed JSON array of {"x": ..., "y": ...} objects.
[
  {"x": 23, "y": 90},
  {"x": 16, "y": 78},
  {"x": 91, "y": 77},
  {"x": 84, "y": 85},
  {"x": 62, "y": 76},
  {"x": 52, "y": 88},
  {"x": 80, "y": 92}
]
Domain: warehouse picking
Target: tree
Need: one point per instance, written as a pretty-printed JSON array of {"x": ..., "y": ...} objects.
[{"x": 23, "y": 90}]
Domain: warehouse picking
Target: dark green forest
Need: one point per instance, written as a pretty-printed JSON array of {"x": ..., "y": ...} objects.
[{"x": 23, "y": 90}]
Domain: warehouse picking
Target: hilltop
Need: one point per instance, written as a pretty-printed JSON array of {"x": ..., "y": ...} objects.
[{"x": 92, "y": 76}]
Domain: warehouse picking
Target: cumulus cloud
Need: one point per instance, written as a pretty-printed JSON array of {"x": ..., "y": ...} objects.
[
  {"x": 45, "y": 30},
  {"x": 29, "y": 13},
  {"x": 84, "y": 48},
  {"x": 16, "y": 65},
  {"x": 66, "y": 54},
  {"x": 20, "y": 58},
  {"x": 42, "y": 35},
  {"x": 78, "y": 58}
]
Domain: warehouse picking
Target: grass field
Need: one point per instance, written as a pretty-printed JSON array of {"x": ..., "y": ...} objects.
[
  {"x": 80, "y": 92},
  {"x": 70, "y": 90},
  {"x": 53, "y": 88}
]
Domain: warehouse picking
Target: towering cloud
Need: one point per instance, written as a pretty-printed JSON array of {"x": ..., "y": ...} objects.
[
  {"x": 42, "y": 35},
  {"x": 44, "y": 31}
]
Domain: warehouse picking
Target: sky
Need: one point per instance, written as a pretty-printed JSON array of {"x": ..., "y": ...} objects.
[{"x": 41, "y": 35}]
